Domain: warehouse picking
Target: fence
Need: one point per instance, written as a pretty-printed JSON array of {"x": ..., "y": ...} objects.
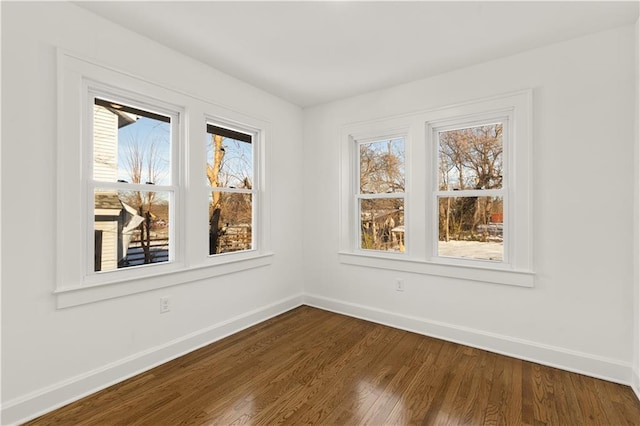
[{"x": 158, "y": 251}]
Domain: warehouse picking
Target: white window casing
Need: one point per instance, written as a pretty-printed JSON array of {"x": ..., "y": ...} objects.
[
  {"x": 81, "y": 80},
  {"x": 421, "y": 190}
]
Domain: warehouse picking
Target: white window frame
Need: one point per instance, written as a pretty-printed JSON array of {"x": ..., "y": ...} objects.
[
  {"x": 433, "y": 128},
  {"x": 421, "y": 192},
  {"x": 351, "y": 138},
  {"x": 76, "y": 281},
  {"x": 377, "y": 196},
  {"x": 95, "y": 90},
  {"x": 256, "y": 147}
]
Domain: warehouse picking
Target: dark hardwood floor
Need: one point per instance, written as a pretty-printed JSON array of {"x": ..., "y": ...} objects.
[{"x": 309, "y": 366}]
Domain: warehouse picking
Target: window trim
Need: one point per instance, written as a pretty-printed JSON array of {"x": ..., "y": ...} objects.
[
  {"x": 75, "y": 74},
  {"x": 420, "y": 185}
]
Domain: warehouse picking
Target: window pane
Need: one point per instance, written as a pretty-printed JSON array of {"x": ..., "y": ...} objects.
[
  {"x": 471, "y": 227},
  {"x": 131, "y": 228},
  {"x": 230, "y": 222},
  {"x": 382, "y": 224},
  {"x": 382, "y": 166},
  {"x": 229, "y": 160},
  {"x": 470, "y": 158},
  {"x": 130, "y": 144}
]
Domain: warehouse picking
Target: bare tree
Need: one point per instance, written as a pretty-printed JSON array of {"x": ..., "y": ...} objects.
[
  {"x": 469, "y": 158},
  {"x": 229, "y": 169},
  {"x": 144, "y": 161},
  {"x": 381, "y": 172}
]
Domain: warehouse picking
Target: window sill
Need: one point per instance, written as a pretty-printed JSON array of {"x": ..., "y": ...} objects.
[
  {"x": 75, "y": 296},
  {"x": 471, "y": 273}
]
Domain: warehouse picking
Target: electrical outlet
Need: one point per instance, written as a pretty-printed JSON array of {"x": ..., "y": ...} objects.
[
  {"x": 399, "y": 285},
  {"x": 164, "y": 304}
]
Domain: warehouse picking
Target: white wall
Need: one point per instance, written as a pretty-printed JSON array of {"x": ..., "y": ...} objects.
[
  {"x": 579, "y": 315},
  {"x": 50, "y": 355}
]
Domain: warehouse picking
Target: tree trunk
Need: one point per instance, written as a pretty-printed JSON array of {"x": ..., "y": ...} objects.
[
  {"x": 446, "y": 220},
  {"x": 213, "y": 172}
]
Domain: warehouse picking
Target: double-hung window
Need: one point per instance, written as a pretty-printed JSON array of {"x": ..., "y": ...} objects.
[
  {"x": 380, "y": 194},
  {"x": 470, "y": 197},
  {"x": 449, "y": 196},
  {"x": 232, "y": 197},
  {"x": 145, "y": 200},
  {"x": 133, "y": 181}
]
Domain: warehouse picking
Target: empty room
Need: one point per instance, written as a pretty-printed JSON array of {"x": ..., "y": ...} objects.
[{"x": 330, "y": 213}]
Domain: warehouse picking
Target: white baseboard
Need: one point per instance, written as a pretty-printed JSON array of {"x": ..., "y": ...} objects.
[
  {"x": 591, "y": 365},
  {"x": 635, "y": 383},
  {"x": 44, "y": 400}
]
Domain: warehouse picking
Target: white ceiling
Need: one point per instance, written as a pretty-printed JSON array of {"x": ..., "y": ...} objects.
[{"x": 314, "y": 52}]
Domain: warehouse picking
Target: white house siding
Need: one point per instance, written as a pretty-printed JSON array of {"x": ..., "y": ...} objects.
[
  {"x": 105, "y": 144},
  {"x": 105, "y": 168}
]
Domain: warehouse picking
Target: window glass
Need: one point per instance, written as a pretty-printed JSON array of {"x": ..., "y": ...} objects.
[
  {"x": 470, "y": 158},
  {"x": 231, "y": 216},
  {"x": 382, "y": 166},
  {"x": 131, "y": 228},
  {"x": 130, "y": 144},
  {"x": 382, "y": 224},
  {"x": 471, "y": 227},
  {"x": 131, "y": 225},
  {"x": 230, "y": 174},
  {"x": 229, "y": 158},
  {"x": 381, "y": 186},
  {"x": 470, "y": 224}
]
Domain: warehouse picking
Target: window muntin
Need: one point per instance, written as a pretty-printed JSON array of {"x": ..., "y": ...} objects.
[
  {"x": 131, "y": 185},
  {"x": 511, "y": 195},
  {"x": 381, "y": 194},
  {"x": 470, "y": 197},
  {"x": 80, "y": 82},
  {"x": 232, "y": 200}
]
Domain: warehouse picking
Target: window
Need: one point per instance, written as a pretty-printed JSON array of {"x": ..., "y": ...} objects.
[
  {"x": 230, "y": 174},
  {"x": 133, "y": 184},
  {"x": 142, "y": 201},
  {"x": 380, "y": 196},
  {"x": 448, "y": 188},
  {"x": 470, "y": 194}
]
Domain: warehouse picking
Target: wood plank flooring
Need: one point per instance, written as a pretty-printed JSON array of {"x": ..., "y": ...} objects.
[{"x": 310, "y": 366}]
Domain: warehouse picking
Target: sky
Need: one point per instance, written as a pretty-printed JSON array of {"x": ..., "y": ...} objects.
[{"x": 151, "y": 136}]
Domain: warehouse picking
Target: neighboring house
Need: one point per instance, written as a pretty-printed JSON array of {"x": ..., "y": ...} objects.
[{"x": 114, "y": 221}]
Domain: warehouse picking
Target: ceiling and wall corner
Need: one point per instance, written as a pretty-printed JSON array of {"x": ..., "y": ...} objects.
[
  {"x": 308, "y": 68},
  {"x": 310, "y": 53}
]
